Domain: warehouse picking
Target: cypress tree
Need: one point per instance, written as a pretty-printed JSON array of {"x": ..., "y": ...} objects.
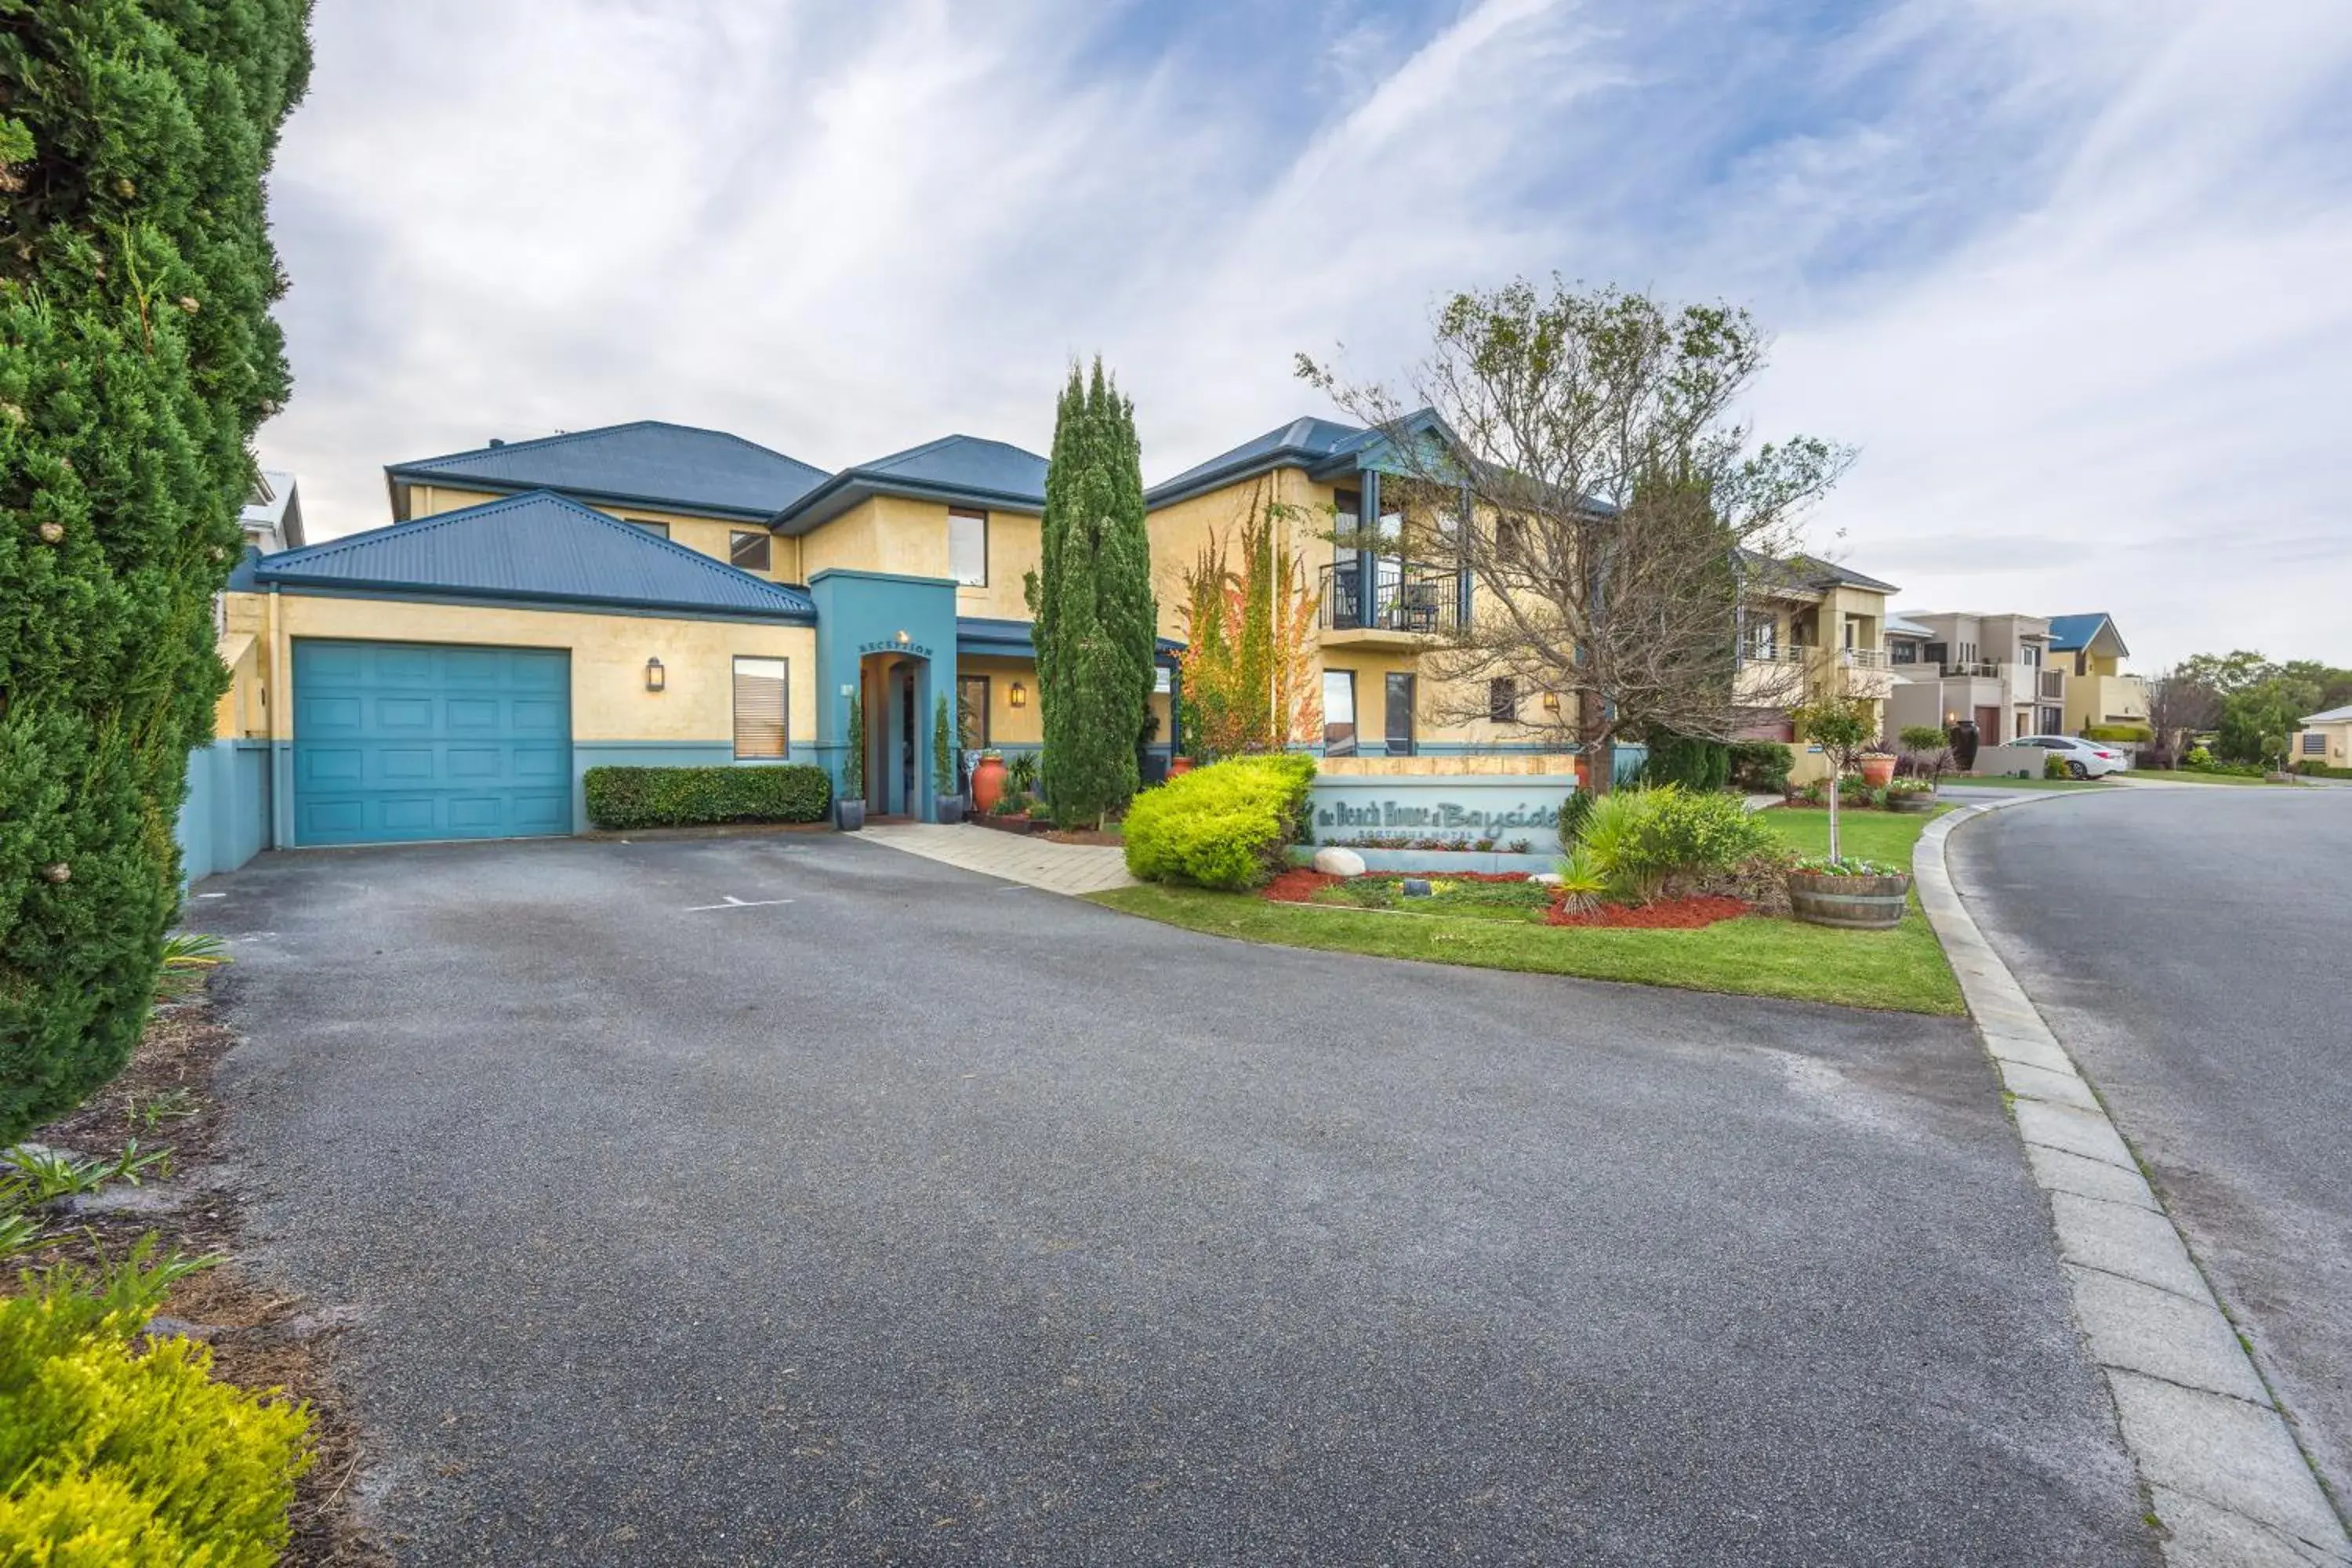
[
  {"x": 137, "y": 357},
  {"x": 1095, "y": 623}
]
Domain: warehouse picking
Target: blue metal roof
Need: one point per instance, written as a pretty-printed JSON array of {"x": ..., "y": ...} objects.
[
  {"x": 1011, "y": 639},
  {"x": 1302, "y": 443},
  {"x": 993, "y": 476},
  {"x": 539, "y": 546},
  {"x": 676, "y": 467},
  {"x": 2074, "y": 634}
]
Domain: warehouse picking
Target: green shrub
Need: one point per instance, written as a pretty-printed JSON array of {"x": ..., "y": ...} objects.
[
  {"x": 1229, "y": 825},
  {"x": 685, "y": 797},
  {"x": 2128, "y": 734},
  {"x": 2053, "y": 766},
  {"x": 1573, "y": 813},
  {"x": 137, "y": 358},
  {"x": 2322, "y": 771},
  {"x": 1762, "y": 767},
  {"x": 1693, "y": 763},
  {"x": 115, "y": 1454},
  {"x": 1638, "y": 840}
]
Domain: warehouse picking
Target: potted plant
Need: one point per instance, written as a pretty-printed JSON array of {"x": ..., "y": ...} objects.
[
  {"x": 988, "y": 782},
  {"x": 1021, "y": 773},
  {"x": 1877, "y": 768},
  {"x": 943, "y": 766},
  {"x": 849, "y": 806},
  {"x": 1915, "y": 796},
  {"x": 1852, "y": 893}
]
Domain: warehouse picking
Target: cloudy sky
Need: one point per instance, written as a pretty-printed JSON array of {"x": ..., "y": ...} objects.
[{"x": 2074, "y": 275}]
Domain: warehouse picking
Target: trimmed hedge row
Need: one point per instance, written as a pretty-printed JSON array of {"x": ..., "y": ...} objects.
[
  {"x": 1229, "y": 825},
  {"x": 692, "y": 798}
]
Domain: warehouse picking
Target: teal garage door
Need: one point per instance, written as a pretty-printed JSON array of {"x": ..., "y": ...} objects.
[{"x": 400, "y": 742}]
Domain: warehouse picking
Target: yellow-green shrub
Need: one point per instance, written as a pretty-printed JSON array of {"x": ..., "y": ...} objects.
[
  {"x": 112, "y": 1456},
  {"x": 1229, "y": 825}
]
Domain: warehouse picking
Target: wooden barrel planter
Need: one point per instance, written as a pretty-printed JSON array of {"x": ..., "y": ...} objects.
[
  {"x": 1919, "y": 802},
  {"x": 1851, "y": 903}
]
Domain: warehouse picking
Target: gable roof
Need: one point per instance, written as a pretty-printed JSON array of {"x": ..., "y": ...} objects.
[
  {"x": 994, "y": 476},
  {"x": 1301, "y": 443},
  {"x": 2074, "y": 634},
  {"x": 539, "y": 546},
  {"x": 675, "y": 467}
]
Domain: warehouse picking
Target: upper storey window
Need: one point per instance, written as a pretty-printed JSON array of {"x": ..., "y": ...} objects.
[{"x": 968, "y": 547}]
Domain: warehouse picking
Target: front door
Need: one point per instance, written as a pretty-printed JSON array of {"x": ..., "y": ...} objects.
[
  {"x": 908, "y": 749},
  {"x": 1400, "y": 714},
  {"x": 1988, "y": 726}
]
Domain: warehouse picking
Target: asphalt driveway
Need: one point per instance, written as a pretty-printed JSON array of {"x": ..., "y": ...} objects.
[
  {"x": 2190, "y": 947},
  {"x": 920, "y": 1219}
]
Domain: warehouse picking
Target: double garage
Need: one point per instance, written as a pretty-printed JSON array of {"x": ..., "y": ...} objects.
[{"x": 403, "y": 741}]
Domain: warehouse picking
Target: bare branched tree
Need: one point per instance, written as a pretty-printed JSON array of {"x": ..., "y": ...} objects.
[
  {"x": 2183, "y": 701},
  {"x": 1576, "y": 454}
]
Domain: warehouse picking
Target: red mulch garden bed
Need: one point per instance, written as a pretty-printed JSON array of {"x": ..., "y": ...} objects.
[
  {"x": 1298, "y": 885},
  {"x": 1666, "y": 914}
]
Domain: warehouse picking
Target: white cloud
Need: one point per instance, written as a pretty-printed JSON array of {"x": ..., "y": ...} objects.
[{"x": 2070, "y": 275}]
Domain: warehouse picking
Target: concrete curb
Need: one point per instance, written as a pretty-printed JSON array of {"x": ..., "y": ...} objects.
[{"x": 2224, "y": 1474}]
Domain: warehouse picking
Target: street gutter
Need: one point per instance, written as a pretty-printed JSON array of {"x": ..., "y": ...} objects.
[{"x": 2225, "y": 1476}]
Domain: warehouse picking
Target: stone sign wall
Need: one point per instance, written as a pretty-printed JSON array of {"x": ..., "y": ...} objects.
[{"x": 1397, "y": 811}]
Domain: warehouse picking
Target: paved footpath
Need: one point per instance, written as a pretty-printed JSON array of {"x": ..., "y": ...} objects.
[
  {"x": 2225, "y": 1470},
  {"x": 1031, "y": 860}
]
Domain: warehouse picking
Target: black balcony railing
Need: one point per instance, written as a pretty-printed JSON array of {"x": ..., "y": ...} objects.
[{"x": 1404, "y": 596}]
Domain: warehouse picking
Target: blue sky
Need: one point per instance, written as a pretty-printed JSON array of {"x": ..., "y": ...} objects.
[{"x": 2075, "y": 277}]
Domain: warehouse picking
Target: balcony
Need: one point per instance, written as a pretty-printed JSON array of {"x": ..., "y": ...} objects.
[
  {"x": 1408, "y": 601},
  {"x": 1972, "y": 669}
]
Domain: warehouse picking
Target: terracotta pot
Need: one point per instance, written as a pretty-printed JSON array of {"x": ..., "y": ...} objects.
[
  {"x": 1179, "y": 766},
  {"x": 1877, "y": 772},
  {"x": 988, "y": 784}
]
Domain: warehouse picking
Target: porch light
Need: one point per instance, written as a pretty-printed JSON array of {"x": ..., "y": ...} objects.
[
  {"x": 656, "y": 677},
  {"x": 1551, "y": 702},
  {"x": 1018, "y": 696},
  {"x": 903, "y": 639}
]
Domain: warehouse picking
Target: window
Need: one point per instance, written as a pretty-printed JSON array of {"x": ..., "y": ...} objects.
[
  {"x": 1848, "y": 632},
  {"x": 2030, "y": 655},
  {"x": 2082, "y": 663},
  {"x": 972, "y": 710},
  {"x": 761, "y": 688},
  {"x": 1968, "y": 653},
  {"x": 2315, "y": 743},
  {"x": 748, "y": 550},
  {"x": 1511, "y": 541},
  {"x": 968, "y": 547},
  {"x": 1935, "y": 653},
  {"x": 1764, "y": 639},
  {"x": 1339, "y": 712},
  {"x": 658, "y": 530},
  {"x": 1903, "y": 653},
  {"x": 1502, "y": 699},
  {"x": 1348, "y": 509}
]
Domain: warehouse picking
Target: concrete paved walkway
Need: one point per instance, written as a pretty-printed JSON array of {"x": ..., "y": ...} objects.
[{"x": 1035, "y": 862}]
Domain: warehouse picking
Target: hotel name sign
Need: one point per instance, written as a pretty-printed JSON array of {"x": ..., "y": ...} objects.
[{"x": 1455, "y": 806}]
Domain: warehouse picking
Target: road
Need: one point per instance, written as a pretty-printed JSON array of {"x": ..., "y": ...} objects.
[
  {"x": 2192, "y": 947},
  {"x": 917, "y": 1218}
]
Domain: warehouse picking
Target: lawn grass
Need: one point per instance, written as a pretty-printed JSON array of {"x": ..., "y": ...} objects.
[
  {"x": 1901, "y": 970},
  {"x": 2188, "y": 775}
]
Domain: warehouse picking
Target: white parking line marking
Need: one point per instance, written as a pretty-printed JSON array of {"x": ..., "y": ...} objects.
[{"x": 735, "y": 904}]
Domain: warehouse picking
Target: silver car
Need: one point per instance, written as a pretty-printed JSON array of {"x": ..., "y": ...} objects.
[{"x": 2084, "y": 759}]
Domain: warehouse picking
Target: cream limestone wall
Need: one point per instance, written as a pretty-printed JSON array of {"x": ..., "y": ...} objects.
[
  {"x": 891, "y": 533},
  {"x": 1008, "y": 725},
  {"x": 710, "y": 536},
  {"x": 1179, "y": 533},
  {"x": 609, "y": 700}
]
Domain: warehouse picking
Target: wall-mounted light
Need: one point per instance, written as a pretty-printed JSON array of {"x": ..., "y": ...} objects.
[
  {"x": 656, "y": 677},
  {"x": 1551, "y": 702},
  {"x": 1018, "y": 696}
]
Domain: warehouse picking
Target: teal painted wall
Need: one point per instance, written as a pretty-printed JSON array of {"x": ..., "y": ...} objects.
[{"x": 226, "y": 819}]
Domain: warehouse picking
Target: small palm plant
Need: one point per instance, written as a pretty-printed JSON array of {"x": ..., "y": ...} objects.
[{"x": 1580, "y": 883}]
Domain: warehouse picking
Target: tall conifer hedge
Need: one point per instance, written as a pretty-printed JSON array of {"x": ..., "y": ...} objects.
[
  {"x": 1095, "y": 621},
  {"x": 137, "y": 357}
]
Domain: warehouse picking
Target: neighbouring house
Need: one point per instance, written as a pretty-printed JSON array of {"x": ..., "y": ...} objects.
[
  {"x": 1381, "y": 615},
  {"x": 1994, "y": 669},
  {"x": 272, "y": 519},
  {"x": 2324, "y": 739},
  {"x": 639, "y": 593},
  {"x": 2098, "y": 692}
]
